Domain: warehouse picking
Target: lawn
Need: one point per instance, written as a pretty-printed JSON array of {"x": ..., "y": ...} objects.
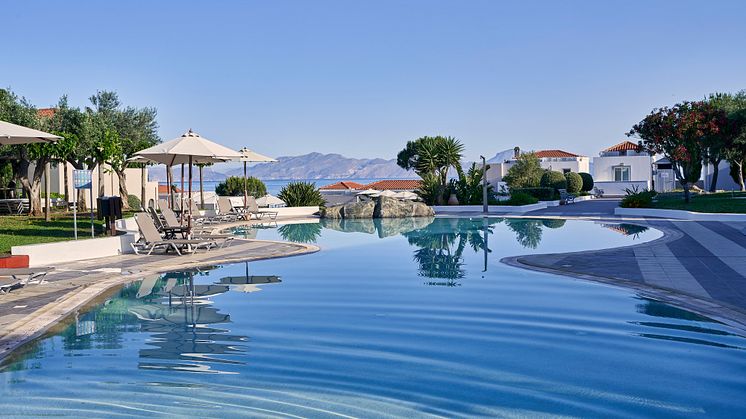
[
  {"x": 16, "y": 230},
  {"x": 717, "y": 202}
]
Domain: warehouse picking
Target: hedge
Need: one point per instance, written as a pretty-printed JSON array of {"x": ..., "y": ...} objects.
[
  {"x": 587, "y": 181},
  {"x": 574, "y": 182},
  {"x": 542, "y": 194},
  {"x": 553, "y": 179}
]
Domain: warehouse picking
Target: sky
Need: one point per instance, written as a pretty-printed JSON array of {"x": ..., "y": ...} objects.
[{"x": 361, "y": 78}]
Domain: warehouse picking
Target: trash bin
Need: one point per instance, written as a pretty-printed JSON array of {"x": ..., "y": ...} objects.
[{"x": 109, "y": 208}]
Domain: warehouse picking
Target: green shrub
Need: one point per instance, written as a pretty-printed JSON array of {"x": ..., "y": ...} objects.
[
  {"x": 520, "y": 198},
  {"x": 525, "y": 173},
  {"x": 301, "y": 194},
  {"x": 638, "y": 199},
  {"x": 233, "y": 186},
  {"x": 553, "y": 179},
  {"x": 574, "y": 182},
  {"x": 134, "y": 202},
  {"x": 587, "y": 181},
  {"x": 542, "y": 194}
]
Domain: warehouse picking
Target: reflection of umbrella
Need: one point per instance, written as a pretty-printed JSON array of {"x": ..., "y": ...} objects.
[
  {"x": 251, "y": 279},
  {"x": 269, "y": 201},
  {"x": 179, "y": 314},
  {"x": 17, "y": 134},
  {"x": 249, "y": 156},
  {"x": 197, "y": 291},
  {"x": 189, "y": 148}
]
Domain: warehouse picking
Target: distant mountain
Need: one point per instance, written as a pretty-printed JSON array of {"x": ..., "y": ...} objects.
[
  {"x": 502, "y": 156},
  {"x": 307, "y": 166}
]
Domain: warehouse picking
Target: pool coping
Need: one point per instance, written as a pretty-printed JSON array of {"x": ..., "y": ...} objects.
[
  {"x": 38, "y": 322},
  {"x": 722, "y": 312}
]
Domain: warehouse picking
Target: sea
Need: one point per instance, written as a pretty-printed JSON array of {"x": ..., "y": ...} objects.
[{"x": 273, "y": 186}]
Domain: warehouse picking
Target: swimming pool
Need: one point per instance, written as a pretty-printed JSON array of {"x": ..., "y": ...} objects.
[{"x": 409, "y": 318}]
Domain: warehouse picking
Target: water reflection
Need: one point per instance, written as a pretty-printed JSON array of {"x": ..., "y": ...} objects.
[
  {"x": 627, "y": 229},
  {"x": 442, "y": 244}
]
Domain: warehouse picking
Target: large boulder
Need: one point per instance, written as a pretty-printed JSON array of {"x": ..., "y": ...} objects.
[
  {"x": 359, "y": 210},
  {"x": 334, "y": 212},
  {"x": 386, "y": 207}
]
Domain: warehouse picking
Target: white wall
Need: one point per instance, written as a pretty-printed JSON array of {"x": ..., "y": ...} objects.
[
  {"x": 611, "y": 188},
  {"x": 640, "y": 168},
  {"x": 577, "y": 165}
]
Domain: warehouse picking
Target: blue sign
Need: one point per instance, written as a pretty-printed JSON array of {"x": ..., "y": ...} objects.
[{"x": 82, "y": 179}]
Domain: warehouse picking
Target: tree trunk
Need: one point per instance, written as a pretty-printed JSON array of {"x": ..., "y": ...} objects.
[
  {"x": 101, "y": 190},
  {"x": 687, "y": 194},
  {"x": 32, "y": 186},
  {"x": 740, "y": 176},
  {"x": 714, "y": 180},
  {"x": 123, "y": 189}
]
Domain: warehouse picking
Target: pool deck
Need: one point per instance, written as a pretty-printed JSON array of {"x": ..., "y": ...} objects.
[
  {"x": 699, "y": 265},
  {"x": 29, "y": 312}
]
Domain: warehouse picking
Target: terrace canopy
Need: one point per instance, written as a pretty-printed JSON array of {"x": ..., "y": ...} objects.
[
  {"x": 190, "y": 148},
  {"x": 250, "y": 156}
]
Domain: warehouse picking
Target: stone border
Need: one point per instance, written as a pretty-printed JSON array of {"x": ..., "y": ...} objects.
[
  {"x": 680, "y": 214},
  {"x": 492, "y": 209},
  {"x": 39, "y": 322},
  {"x": 721, "y": 312}
]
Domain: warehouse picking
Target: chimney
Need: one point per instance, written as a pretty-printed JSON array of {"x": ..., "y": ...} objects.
[{"x": 516, "y": 151}]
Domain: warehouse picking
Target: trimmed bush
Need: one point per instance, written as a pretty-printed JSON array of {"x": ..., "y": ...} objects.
[
  {"x": 587, "y": 181},
  {"x": 133, "y": 201},
  {"x": 553, "y": 179},
  {"x": 520, "y": 198},
  {"x": 542, "y": 194},
  {"x": 574, "y": 182},
  {"x": 301, "y": 194},
  {"x": 233, "y": 186}
]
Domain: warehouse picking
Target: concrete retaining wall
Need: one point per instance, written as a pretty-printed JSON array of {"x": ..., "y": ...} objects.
[
  {"x": 679, "y": 214},
  {"x": 46, "y": 254}
]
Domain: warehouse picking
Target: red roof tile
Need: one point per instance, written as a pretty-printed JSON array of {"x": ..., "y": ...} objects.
[
  {"x": 46, "y": 112},
  {"x": 344, "y": 185},
  {"x": 553, "y": 154},
  {"x": 163, "y": 190},
  {"x": 623, "y": 146},
  {"x": 383, "y": 185}
]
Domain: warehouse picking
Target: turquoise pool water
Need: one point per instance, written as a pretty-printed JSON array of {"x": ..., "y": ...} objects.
[{"x": 403, "y": 318}]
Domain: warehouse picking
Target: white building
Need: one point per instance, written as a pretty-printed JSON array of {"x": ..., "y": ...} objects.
[
  {"x": 620, "y": 167},
  {"x": 558, "y": 160}
]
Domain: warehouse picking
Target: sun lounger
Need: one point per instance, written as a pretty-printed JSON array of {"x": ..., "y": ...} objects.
[
  {"x": 253, "y": 209},
  {"x": 14, "y": 278},
  {"x": 226, "y": 210},
  {"x": 150, "y": 239}
]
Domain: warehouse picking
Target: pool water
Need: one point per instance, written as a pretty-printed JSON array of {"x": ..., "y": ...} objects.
[{"x": 403, "y": 318}]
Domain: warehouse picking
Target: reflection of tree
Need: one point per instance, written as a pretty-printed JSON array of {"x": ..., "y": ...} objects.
[
  {"x": 627, "y": 229},
  {"x": 528, "y": 232},
  {"x": 300, "y": 233},
  {"x": 553, "y": 222},
  {"x": 441, "y": 247}
]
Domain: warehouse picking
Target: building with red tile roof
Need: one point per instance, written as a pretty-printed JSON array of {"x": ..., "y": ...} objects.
[
  {"x": 546, "y": 154},
  {"x": 343, "y": 186},
  {"x": 394, "y": 185},
  {"x": 622, "y": 166},
  {"x": 46, "y": 112}
]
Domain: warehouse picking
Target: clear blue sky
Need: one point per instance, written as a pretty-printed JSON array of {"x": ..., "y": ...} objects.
[{"x": 361, "y": 78}]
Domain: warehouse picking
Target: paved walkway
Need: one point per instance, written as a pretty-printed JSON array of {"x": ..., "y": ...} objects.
[
  {"x": 28, "y": 312},
  {"x": 704, "y": 260}
]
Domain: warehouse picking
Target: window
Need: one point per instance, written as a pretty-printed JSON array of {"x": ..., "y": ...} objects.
[
  {"x": 566, "y": 170},
  {"x": 621, "y": 174}
]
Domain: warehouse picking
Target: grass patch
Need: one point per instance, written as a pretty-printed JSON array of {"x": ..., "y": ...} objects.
[
  {"x": 17, "y": 230},
  {"x": 725, "y": 202}
]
